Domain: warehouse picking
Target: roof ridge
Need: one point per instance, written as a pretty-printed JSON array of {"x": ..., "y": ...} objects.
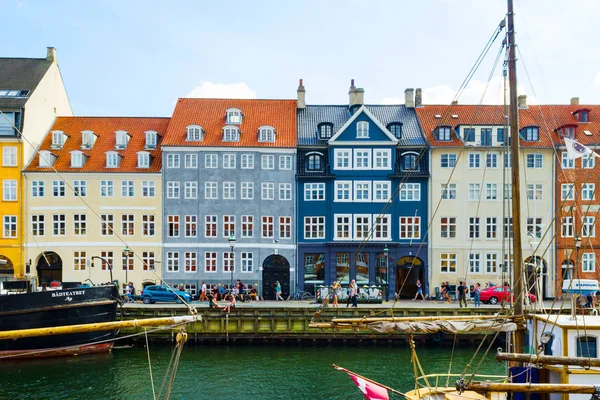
[
  {"x": 105, "y": 116},
  {"x": 231, "y": 99},
  {"x": 25, "y": 58}
]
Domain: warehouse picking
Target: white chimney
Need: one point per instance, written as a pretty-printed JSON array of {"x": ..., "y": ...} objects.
[
  {"x": 301, "y": 102},
  {"x": 522, "y": 101},
  {"x": 409, "y": 100},
  {"x": 356, "y": 95},
  {"x": 51, "y": 54}
]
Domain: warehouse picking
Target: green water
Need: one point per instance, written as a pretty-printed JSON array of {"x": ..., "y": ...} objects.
[{"x": 240, "y": 372}]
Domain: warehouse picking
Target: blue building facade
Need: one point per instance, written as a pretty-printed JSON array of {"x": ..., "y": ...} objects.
[{"x": 362, "y": 184}]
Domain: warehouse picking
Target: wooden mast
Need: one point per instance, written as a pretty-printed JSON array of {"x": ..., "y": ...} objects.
[{"x": 516, "y": 197}]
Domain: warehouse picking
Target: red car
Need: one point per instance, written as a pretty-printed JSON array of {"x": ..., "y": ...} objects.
[{"x": 495, "y": 294}]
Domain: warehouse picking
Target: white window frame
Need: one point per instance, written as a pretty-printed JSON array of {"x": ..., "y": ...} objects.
[
  {"x": 475, "y": 263},
  {"x": 588, "y": 262},
  {"x": 535, "y": 191},
  {"x": 247, "y": 190},
  {"x": 191, "y": 190},
  {"x": 342, "y": 156},
  {"x": 344, "y": 221},
  {"x": 566, "y": 161},
  {"x": 9, "y": 156},
  {"x": 9, "y": 190},
  {"x": 588, "y": 226},
  {"x": 343, "y": 192},
  {"x": 267, "y": 191},
  {"x": 229, "y": 161},
  {"x": 148, "y": 188},
  {"x": 112, "y": 159},
  {"x": 38, "y": 188},
  {"x": 127, "y": 188},
  {"x": 229, "y": 191},
  {"x": 211, "y": 160},
  {"x": 410, "y": 227},
  {"x": 190, "y": 161},
  {"x": 382, "y": 191},
  {"x": 143, "y": 159},
  {"x": 285, "y": 191},
  {"x": 473, "y": 190},
  {"x": 9, "y": 227},
  {"x": 362, "y": 130},
  {"x": 173, "y": 161},
  {"x": 285, "y": 163},
  {"x": 362, "y": 191},
  {"x": 448, "y": 191},
  {"x": 362, "y": 159},
  {"x": 314, "y": 226},
  {"x": 316, "y": 190},
  {"x": 247, "y": 226},
  {"x": 410, "y": 192},
  {"x": 285, "y": 227},
  {"x": 211, "y": 190},
  {"x": 247, "y": 161},
  {"x": 588, "y": 191},
  {"x": 172, "y": 261},
  {"x": 448, "y": 263},
  {"x": 362, "y": 223},
  {"x": 107, "y": 188},
  {"x": 267, "y": 161},
  {"x": 247, "y": 261},
  {"x": 193, "y": 133},
  {"x": 474, "y": 160},
  {"x": 381, "y": 159},
  {"x": 567, "y": 227},
  {"x": 449, "y": 159},
  {"x": 567, "y": 191}
]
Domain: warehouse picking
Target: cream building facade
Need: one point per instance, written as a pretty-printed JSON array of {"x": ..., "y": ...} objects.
[
  {"x": 470, "y": 202},
  {"x": 94, "y": 202}
]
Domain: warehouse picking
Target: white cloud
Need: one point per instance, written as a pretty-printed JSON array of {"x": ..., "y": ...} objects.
[{"x": 223, "y": 91}]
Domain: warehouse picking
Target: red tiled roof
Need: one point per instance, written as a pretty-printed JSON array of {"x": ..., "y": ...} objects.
[
  {"x": 547, "y": 117},
  {"x": 104, "y": 128},
  {"x": 210, "y": 115}
]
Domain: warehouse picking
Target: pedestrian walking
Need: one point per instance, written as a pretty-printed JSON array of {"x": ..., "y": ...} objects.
[
  {"x": 419, "y": 291},
  {"x": 336, "y": 293},
  {"x": 203, "y": 296},
  {"x": 462, "y": 294},
  {"x": 352, "y": 294},
  {"x": 278, "y": 296},
  {"x": 444, "y": 292},
  {"x": 477, "y": 295}
]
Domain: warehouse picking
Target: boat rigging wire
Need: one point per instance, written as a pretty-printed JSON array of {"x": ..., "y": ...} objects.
[{"x": 149, "y": 363}]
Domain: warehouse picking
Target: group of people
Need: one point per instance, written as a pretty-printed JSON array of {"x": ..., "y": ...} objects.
[
  {"x": 462, "y": 290},
  {"x": 231, "y": 295},
  {"x": 352, "y": 294},
  {"x": 129, "y": 293}
]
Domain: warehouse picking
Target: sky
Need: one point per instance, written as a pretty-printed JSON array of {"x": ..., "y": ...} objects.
[{"x": 135, "y": 58}]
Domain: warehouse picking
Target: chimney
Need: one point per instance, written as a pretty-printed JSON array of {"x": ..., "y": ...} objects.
[
  {"x": 301, "y": 102},
  {"x": 574, "y": 101},
  {"x": 522, "y": 101},
  {"x": 454, "y": 102},
  {"x": 409, "y": 100},
  {"x": 51, "y": 54},
  {"x": 418, "y": 98},
  {"x": 356, "y": 95}
]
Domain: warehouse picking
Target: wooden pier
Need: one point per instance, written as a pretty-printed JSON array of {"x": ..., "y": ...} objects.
[{"x": 290, "y": 322}]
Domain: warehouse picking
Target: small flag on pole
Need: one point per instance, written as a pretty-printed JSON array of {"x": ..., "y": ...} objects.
[
  {"x": 370, "y": 389},
  {"x": 576, "y": 150}
]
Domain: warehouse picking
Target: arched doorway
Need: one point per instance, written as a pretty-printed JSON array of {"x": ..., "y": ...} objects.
[
  {"x": 275, "y": 268},
  {"x": 49, "y": 267},
  {"x": 537, "y": 272},
  {"x": 409, "y": 269},
  {"x": 7, "y": 269}
]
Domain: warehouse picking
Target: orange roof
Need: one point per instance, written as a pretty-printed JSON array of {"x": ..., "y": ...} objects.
[
  {"x": 547, "y": 118},
  {"x": 104, "y": 128},
  {"x": 210, "y": 115}
]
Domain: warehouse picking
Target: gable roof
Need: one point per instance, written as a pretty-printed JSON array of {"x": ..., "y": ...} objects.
[
  {"x": 467, "y": 115},
  {"x": 21, "y": 74},
  {"x": 310, "y": 117},
  {"x": 366, "y": 111},
  {"x": 210, "y": 115},
  {"x": 104, "y": 128}
]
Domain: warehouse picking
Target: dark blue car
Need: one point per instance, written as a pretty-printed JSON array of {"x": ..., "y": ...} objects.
[{"x": 152, "y": 294}]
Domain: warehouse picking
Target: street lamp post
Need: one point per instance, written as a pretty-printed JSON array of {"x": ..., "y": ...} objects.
[
  {"x": 231, "y": 258},
  {"x": 127, "y": 252},
  {"x": 386, "y": 251},
  {"x": 110, "y": 268}
]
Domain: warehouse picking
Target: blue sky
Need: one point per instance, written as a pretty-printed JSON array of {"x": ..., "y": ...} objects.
[{"x": 135, "y": 58}]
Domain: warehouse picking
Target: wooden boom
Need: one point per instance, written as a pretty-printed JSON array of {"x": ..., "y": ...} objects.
[
  {"x": 556, "y": 360},
  {"x": 100, "y": 326},
  {"x": 348, "y": 322},
  {"x": 528, "y": 387}
]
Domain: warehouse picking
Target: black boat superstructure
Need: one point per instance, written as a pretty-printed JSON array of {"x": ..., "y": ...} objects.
[{"x": 54, "y": 308}]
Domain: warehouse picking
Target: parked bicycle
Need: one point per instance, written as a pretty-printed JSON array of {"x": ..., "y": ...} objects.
[{"x": 301, "y": 295}]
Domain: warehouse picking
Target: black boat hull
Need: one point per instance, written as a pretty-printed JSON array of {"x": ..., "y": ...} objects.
[{"x": 58, "y": 308}]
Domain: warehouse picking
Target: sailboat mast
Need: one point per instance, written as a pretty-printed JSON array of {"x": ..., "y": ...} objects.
[{"x": 516, "y": 197}]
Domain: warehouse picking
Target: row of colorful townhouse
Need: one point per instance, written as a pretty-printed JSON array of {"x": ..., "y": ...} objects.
[{"x": 278, "y": 190}]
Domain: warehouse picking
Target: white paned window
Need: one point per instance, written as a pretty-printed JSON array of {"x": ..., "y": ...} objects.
[
  {"x": 566, "y": 162},
  {"x": 362, "y": 159},
  {"x": 314, "y": 191},
  {"x": 362, "y": 129},
  {"x": 567, "y": 191},
  {"x": 285, "y": 162},
  {"x": 382, "y": 228},
  {"x": 410, "y": 227},
  {"x": 228, "y": 226},
  {"x": 59, "y": 225},
  {"x": 229, "y": 161},
  {"x": 587, "y": 191},
  {"x": 79, "y": 260},
  {"x": 107, "y": 188},
  {"x": 342, "y": 158},
  {"x": 362, "y": 191},
  {"x": 173, "y": 161},
  {"x": 343, "y": 226},
  {"x": 410, "y": 192},
  {"x": 193, "y": 133},
  {"x": 362, "y": 226},
  {"x": 228, "y": 261},
  {"x": 535, "y": 160},
  {"x": 173, "y": 226},
  {"x": 247, "y": 260},
  {"x": 231, "y": 134},
  {"x": 474, "y": 160},
  {"x": 9, "y": 156},
  {"x": 38, "y": 188},
  {"x": 491, "y": 160},
  {"x": 448, "y": 227},
  {"x": 567, "y": 227},
  {"x": 128, "y": 224},
  {"x": 191, "y": 261},
  {"x": 267, "y": 161},
  {"x": 210, "y": 226},
  {"x": 314, "y": 227},
  {"x": 191, "y": 190},
  {"x": 229, "y": 190},
  {"x": 448, "y": 262},
  {"x": 448, "y": 160},
  {"x": 79, "y": 224},
  {"x": 267, "y": 191},
  {"x": 211, "y": 190},
  {"x": 191, "y": 161},
  {"x": 474, "y": 228},
  {"x": 381, "y": 191},
  {"x": 588, "y": 161},
  {"x": 76, "y": 159},
  {"x": 107, "y": 225},
  {"x": 9, "y": 190},
  {"x": 491, "y": 228},
  {"x": 343, "y": 191},
  {"x": 58, "y": 188},
  {"x": 80, "y": 188},
  {"x": 491, "y": 191},
  {"x": 173, "y": 189},
  {"x": 112, "y": 160},
  {"x": 247, "y": 190},
  {"x": 285, "y": 191},
  {"x": 588, "y": 226},
  {"x": 172, "y": 261},
  {"x": 210, "y": 161},
  {"x": 143, "y": 160},
  {"x": 127, "y": 188},
  {"x": 535, "y": 191},
  {"x": 588, "y": 262},
  {"x": 448, "y": 191},
  {"x": 475, "y": 263},
  {"x": 148, "y": 224},
  {"x": 234, "y": 116},
  {"x": 381, "y": 159},
  {"x": 10, "y": 226},
  {"x": 38, "y": 224},
  {"x": 247, "y": 226},
  {"x": 266, "y": 134},
  {"x": 474, "y": 191},
  {"x": 148, "y": 188},
  {"x": 268, "y": 226},
  {"x": 285, "y": 227},
  {"x": 247, "y": 161},
  {"x": 535, "y": 227},
  {"x": 491, "y": 263}
]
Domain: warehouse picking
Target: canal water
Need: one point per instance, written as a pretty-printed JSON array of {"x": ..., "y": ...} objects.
[{"x": 238, "y": 372}]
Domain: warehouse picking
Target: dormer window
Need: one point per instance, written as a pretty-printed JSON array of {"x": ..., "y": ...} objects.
[
  {"x": 122, "y": 140},
  {"x": 582, "y": 115},
  {"x": 567, "y": 132},
  {"x": 531, "y": 133},
  {"x": 77, "y": 159},
  {"x": 143, "y": 159},
  {"x": 395, "y": 129},
  {"x": 409, "y": 162},
  {"x": 362, "y": 129},
  {"x": 88, "y": 138},
  {"x": 46, "y": 159},
  {"x": 469, "y": 134},
  {"x": 314, "y": 162},
  {"x": 58, "y": 139},
  {"x": 112, "y": 159},
  {"x": 151, "y": 139},
  {"x": 231, "y": 134},
  {"x": 325, "y": 131},
  {"x": 234, "y": 116},
  {"x": 194, "y": 133},
  {"x": 443, "y": 133},
  {"x": 266, "y": 134}
]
